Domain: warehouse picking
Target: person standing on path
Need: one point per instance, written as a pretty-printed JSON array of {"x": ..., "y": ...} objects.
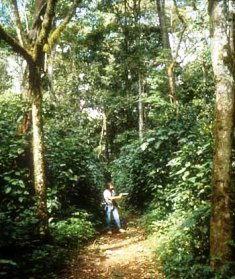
[{"x": 111, "y": 207}]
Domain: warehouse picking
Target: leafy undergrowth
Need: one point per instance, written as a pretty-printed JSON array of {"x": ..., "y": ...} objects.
[{"x": 128, "y": 256}]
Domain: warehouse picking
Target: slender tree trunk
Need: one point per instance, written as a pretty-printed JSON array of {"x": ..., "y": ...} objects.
[
  {"x": 170, "y": 64},
  {"x": 104, "y": 140},
  {"x": 163, "y": 25},
  {"x": 222, "y": 218},
  {"x": 205, "y": 73},
  {"x": 128, "y": 74},
  {"x": 171, "y": 59},
  {"x": 171, "y": 81},
  {"x": 38, "y": 150},
  {"x": 141, "y": 109}
]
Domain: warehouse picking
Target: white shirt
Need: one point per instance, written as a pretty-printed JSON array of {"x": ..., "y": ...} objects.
[{"x": 107, "y": 195}]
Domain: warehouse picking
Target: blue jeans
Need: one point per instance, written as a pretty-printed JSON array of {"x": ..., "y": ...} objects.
[{"x": 112, "y": 210}]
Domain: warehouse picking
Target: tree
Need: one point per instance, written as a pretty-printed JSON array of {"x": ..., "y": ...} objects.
[
  {"x": 167, "y": 47},
  {"x": 222, "y": 223},
  {"x": 32, "y": 45},
  {"x": 171, "y": 58}
]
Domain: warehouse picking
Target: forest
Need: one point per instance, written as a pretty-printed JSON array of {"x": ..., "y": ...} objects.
[{"x": 137, "y": 92}]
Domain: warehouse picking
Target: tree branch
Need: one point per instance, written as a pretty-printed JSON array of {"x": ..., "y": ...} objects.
[
  {"x": 16, "y": 47},
  {"x": 54, "y": 36},
  {"x": 19, "y": 29},
  {"x": 40, "y": 8},
  {"x": 182, "y": 31},
  {"x": 45, "y": 30}
]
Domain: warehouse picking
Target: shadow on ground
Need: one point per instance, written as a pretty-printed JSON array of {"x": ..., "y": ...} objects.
[{"x": 117, "y": 256}]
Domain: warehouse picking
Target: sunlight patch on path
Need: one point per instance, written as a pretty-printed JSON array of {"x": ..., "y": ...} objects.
[{"x": 117, "y": 256}]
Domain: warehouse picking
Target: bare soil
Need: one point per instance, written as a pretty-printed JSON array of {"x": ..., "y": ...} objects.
[{"x": 127, "y": 255}]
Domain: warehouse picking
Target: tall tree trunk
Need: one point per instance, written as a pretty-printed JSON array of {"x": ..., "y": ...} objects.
[
  {"x": 127, "y": 71},
  {"x": 137, "y": 16},
  {"x": 141, "y": 108},
  {"x": 38, "y": 149},
  {"x": 163, "y": 25},
  {"x": 170, "y": 64},
  {"x": 222, "y": 218},
  {"x": 171, "y": 59}
]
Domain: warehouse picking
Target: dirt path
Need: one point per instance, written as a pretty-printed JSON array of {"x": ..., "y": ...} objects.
[{"x": 118, "y": 256}]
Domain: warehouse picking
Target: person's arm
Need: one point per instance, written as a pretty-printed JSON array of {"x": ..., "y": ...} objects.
[
  {"x": 109, "y": 198},
  {"x": 116, "y": 197}
]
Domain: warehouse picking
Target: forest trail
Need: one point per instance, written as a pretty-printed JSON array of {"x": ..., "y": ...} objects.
[{"x": 126, "y": 255}]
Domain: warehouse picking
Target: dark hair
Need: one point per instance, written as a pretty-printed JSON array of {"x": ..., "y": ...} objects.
[{"x": 108, "y": 185}]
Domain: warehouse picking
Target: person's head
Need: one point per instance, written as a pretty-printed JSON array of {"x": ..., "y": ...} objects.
[{"x": 110, "y": 186}]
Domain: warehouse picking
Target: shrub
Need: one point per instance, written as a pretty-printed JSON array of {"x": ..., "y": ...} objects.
[{"x": 182, "y": 243}]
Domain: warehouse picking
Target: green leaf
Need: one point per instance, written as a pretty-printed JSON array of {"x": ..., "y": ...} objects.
[{"x": 8, "y": 190}]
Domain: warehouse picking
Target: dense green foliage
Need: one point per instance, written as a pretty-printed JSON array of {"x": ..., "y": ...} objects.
[
  {"x": 168, "y": 176},
  {"x": 71, "y": 164},
  {"x": 74, "y": 171}
]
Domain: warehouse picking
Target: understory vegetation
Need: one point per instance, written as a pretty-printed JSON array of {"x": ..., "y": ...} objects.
[
  {"x": 76, "y": 180},
  {"x": 168, "y": 178}
]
